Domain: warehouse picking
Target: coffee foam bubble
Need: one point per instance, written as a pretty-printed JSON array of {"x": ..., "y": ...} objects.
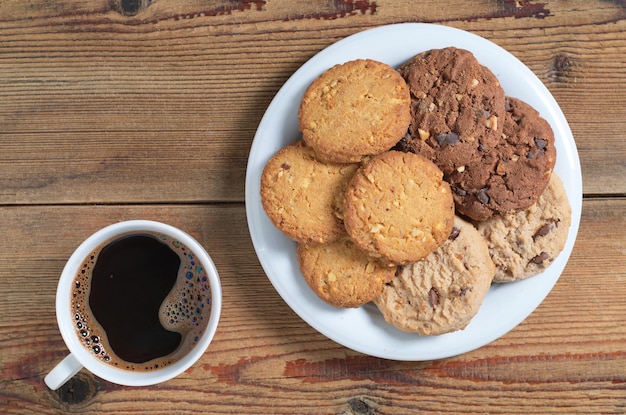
[
  {"x": 185, "y": 310},
  {"x": 186, "y": 307}
]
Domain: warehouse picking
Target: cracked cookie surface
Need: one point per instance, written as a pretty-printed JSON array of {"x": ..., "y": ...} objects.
[
  {"x": 444, "y": 291},
  {"x": 300, "y": 194},
  {"x": 398, "y": 208},
  {"x": 353, "y": 110}
]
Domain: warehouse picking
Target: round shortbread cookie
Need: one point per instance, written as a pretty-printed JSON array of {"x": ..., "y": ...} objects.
[
  {"x": 341, "y": 274},
  {"x": 523, "y": 244},
  {"x": 353, "y": 110},
  {"x": 444, "y": 291},
  {"x": 299, "y": 194},
  {"x": 398, "y": 208}
]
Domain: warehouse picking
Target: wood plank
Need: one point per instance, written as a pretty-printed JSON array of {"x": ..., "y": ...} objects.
[
  {"x": 567, "y": 357},
  {"x": 80, "y": 79},
  {"x": 121, "y": 167}
]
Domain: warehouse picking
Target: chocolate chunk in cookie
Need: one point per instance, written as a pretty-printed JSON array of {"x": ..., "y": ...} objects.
[{"x": 444, "y": 291}]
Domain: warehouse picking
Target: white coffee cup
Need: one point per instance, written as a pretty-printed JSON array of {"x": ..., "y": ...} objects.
[{"x": 80, "y": 356}]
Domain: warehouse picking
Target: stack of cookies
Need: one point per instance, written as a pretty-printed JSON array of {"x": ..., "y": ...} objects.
[{"x": 417, "y": 188}]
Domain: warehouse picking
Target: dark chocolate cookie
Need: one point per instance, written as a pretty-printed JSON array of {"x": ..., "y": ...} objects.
[
  {"x": 457, "y": 107},
  {"x": 512, "y": 174},
  {"x": 500, "y": 164},
  {"x": 526, "y": 157}
]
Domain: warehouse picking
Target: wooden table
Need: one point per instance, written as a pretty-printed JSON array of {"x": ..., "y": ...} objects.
[{"x": 150, "y": 113}]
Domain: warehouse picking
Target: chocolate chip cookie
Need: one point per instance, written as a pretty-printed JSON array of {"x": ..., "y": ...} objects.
[
  {"x": 523, "y": 244},
  {"x": 444, "y": 291},
  {"x": 513, "y": 174},
  {"x": 457, "y": 107}
]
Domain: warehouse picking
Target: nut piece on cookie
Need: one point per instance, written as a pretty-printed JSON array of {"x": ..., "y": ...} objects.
[
  {"x": 341, "y": 274},
  {"x": 523, "y": 244},
  {"x": 445, "y": 290},
  {"x": 457, "y": 107},
  {"x": 299, "y": 194},
  {"x": 353, "y": 110},
  {"x": 398, "y": 208}
]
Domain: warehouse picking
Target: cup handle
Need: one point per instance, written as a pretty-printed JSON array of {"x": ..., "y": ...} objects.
[{"x": 63, "y": 372}]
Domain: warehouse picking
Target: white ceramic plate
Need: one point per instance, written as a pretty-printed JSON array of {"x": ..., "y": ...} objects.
[{"x": 363, "y": 329}]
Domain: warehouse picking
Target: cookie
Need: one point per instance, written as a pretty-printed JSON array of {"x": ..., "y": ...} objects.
[
  {"x": 398, "y": 208},
  {"x": 458, "y": 112},
  {"x": 444, "y": 291},
  {"x": 299, "y": 194},
  {"x": 356, "y": 109},
  {"x": 523, "y": 244},
  {"x": 341, "y": 274},
  {"x": 514, "y": 173},
  {"x": 526, "y": 157},
  {"x": 457, "y": 107}
]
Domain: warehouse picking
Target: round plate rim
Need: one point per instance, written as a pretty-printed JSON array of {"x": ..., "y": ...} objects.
[{"x": 382, "y": 43}]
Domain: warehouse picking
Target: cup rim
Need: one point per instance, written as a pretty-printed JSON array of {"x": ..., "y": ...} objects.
[{"x": 64, "y": 315}]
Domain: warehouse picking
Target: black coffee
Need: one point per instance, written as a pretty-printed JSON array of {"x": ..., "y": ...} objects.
[{"x": 141, "y": 301}]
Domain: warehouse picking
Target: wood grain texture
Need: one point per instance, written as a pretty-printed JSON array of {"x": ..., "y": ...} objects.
[
  {"x": 567, "y": 357},
  {"x": 106, "y": 117},
  {"x": 92, "y": 96}
]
